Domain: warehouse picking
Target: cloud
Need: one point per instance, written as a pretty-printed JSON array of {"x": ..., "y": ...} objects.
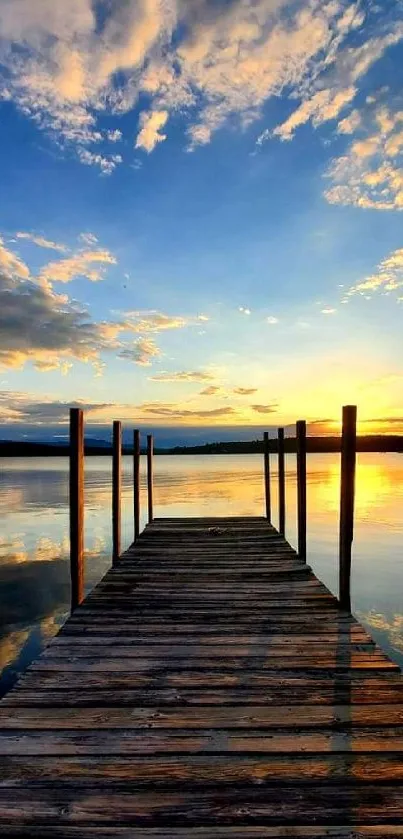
[
  {"x": 211, "y": 390},
  {"x": 142, "y": 352},
  {"x": 41, "y": 242},
  {"x": 387, "y": 278},
  {"x": 88, "y": 264},
  {"x": 334, "y": 82},
  {"x": 265, "y": 409},
  {"x": 184, "y": 376},
  {"x": 170, "y": 411},
  {"x": 16, "y": 407},
  {"x": 328, "y": 311},
  {"x": 68, "y": 65},
  {"x": 370, "y": 172},
  {"x": 244, "y": 310},
  {"x": 350, "y": 123},
  {"x": 11, "y": 264},
  {"x": 244, "y": 391},
  {"x": 153, "y": 321},
  {"x": 149, "y": 134},
  {"x": 50, "y": 330},
  {"x": 88, "y": 239},
  {"x": 272, "y": 320}
]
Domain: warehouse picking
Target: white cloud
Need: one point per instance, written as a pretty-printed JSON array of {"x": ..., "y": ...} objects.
[
  {"x": 244, "y": 310},
  {"x": 184, "y": 376},
  {"x": 370, "y": 172},
  {"x": 388, "y": 277},
  {"x": 68, "y": 64},
  {"x": 334, "y": 80},
  {"x": 272, "y": 320},
  {"x": 142, "y": 351},
  {"x": 88, "y": 239},
  {"x": 350, "y": 123},
  {"x": 11, "y": 264},
  {"x": 88, "y": 264},
  {"x": 42, "y": 242},
  {"x": 153, "y": 321},
  {"x": 149, "y": 134},
  {"x": 328, "y": 311}
]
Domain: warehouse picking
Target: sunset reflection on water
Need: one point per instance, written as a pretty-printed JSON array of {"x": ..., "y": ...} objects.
[{"x": 34, "y": 569}]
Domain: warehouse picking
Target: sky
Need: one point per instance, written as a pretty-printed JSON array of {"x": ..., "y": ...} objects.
[{"x": 201, "y": 214}]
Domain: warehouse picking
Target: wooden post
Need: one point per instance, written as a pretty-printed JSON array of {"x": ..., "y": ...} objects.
[
  {"x": 266, "y": 456},
  {"x": 281, "y": 483},
  {"x": 136, "y": 483},
  {"x": 76, "y": 506},
  {"x": 116, "y": 489},
  {"x": 301, "y": 487},
  {"x": 150, "y": 451},
  {"x": 347, "y": 491}
]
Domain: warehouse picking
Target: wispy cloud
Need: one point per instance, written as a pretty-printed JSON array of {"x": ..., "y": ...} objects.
[
  {"x": 265, "y": 409},
  {"x": 177, "y": 412},
  {"x": 370, "y": 174},
  {"x": 387, "y": 278},
  {"x": 244, "y": 391},
  {"x": 11, "y": 264},
  {"x": 212, "y": 390},
  {"x": 41, "y": 242},
  {"x": 142, "y": 352},
  {"x": 153, "y": 321},
  {"x": 184, "y": 376},
  {"x": 88, "y": 264}
]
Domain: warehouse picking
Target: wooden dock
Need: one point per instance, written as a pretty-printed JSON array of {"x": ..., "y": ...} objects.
[{"x": 210, "y": 686}]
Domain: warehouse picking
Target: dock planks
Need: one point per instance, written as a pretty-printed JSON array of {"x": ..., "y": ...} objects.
[{"x": 211, "y": 687}]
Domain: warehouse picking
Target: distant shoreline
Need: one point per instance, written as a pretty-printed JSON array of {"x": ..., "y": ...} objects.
[{"x": 319, "y": 445}]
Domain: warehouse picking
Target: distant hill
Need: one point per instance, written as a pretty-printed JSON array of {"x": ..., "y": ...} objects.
[{"x": 370, "y": 443}]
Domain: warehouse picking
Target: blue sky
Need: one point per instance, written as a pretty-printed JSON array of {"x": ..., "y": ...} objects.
[{"x": 201, "y": 220}]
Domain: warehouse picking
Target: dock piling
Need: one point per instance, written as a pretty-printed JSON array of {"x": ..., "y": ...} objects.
[
  {"x": 136, "y": 483},
  {"x": 116, "y": 489},
  {"x": 76, "y": 481},
  {"x": 301, "y": 487},
  {"x": 150, "y": 452},
  {"x": 266, "y": 456},
  {"x": 347, "y": 493},
  {"x": 281, "y": 482}
]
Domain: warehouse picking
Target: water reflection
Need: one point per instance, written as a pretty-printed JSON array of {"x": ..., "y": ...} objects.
[{"x": 34, "y": 571}]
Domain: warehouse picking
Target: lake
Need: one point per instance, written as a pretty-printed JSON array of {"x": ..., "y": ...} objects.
[{"x": 34, "y": 544}]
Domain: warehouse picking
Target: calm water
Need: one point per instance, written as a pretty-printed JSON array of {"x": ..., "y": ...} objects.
[{"x": 34, "y": 569}]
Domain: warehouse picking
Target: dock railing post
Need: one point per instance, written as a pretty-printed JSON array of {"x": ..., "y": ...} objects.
[
  {"x": 116, "y": 489},
  {"x": 301, "y": 487},
  {"x": 76, "y": 481},
  {"x": 281, "y": 482},
  {"x": 150, "y": 452},
  {"x": 266, "y": 456},
  {"x": 347, "y": 493},
  {"x": 136, "y": 483}
]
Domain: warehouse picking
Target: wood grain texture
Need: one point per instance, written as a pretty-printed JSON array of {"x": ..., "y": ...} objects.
[{"x": 209, "y": 687}]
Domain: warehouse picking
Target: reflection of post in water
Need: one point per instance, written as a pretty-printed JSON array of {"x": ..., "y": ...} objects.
[{"x": 76, "y": 506}]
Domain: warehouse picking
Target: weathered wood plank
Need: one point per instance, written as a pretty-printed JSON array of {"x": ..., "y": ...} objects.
[
  {"x": 210, "y": 686},
  {"x": 83, "y": 803},
  {"x": 239, "y": 717}
]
